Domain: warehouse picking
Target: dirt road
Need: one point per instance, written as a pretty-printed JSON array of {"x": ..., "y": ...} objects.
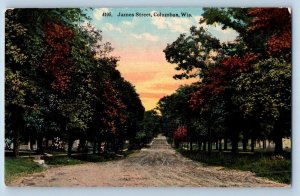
[{"x": 158, "y": 165}]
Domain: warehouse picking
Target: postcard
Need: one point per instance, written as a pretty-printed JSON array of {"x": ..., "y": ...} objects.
[{"x": 148, "y": 97}]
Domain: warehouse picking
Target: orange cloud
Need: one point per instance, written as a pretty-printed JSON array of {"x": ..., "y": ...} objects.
[
  {"x": 164, "y": 86},
  {"x": 152, "y": 95},
  {"x": 137, "y": 77}
]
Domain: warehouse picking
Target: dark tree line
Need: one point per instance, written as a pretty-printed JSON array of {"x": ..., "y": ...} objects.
[
  {"x": 62, "y": 82},
  {"x": 244, "y": 88}
]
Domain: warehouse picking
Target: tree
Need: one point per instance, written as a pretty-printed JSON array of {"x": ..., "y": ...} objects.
[
  {"x": 176, "y": 112},
  {"x": 262, "y": 36},
  {"x": 61, "y": 81},
  {"x": 180, "y": 135},
  {"x": 150, "y": 127},
  {"x": 267, "y": 97},
  {"x": 17, "y": 86},
  {"x": 193, "y": 53},
  {"x": 274, "y": 25}
]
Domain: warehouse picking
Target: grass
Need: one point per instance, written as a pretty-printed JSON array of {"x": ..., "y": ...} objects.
[
  {"x": 85, "y": 158},
  {"x": 17, "y": 167},
  {"x": 262, "y": 164}
]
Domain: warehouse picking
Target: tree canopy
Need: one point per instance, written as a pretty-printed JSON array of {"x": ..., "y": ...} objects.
[
  {"x": 244, "y": 87},
  {"x": 61, "y": 81}
]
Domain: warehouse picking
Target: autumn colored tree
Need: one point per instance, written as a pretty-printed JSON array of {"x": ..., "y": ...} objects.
[
  {"x": 175, "y": 112},
  {"x": 274, "y": 25},
  {"x": 57, "y": 62},
  {"x": 180, "y": 135},
  {"x": 262, "y": 35},
  {"x": 61, "y": 81}
]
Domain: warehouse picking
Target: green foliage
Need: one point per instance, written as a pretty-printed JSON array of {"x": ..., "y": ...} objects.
[
  {"x": 150, "y": 127},
  {"x": 61, "y": 81},
  {"x": 176, "y": 111},
  {"x": 266, "y": 90},
  {"x": 243, "y": 90},
  {"x": 267, "y": 98},
  {"x": 192, "y": 53},
  {"x": 235, "y": 18}
]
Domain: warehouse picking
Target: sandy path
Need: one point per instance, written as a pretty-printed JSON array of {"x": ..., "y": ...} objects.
[{"x": 159, "y": 165}]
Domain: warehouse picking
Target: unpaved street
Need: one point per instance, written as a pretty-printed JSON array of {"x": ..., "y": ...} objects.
[{"x": 158, "y": 165}]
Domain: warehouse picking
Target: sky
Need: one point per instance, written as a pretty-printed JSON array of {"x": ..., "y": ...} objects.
[{"x": 139, "y": 43}]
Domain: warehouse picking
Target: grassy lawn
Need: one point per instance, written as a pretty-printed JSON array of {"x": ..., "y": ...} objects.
[
  {"x": 262, "y": 164},
  {"x": 17, "y": 167}
]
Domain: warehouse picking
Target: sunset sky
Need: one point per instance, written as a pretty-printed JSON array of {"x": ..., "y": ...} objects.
[{"x": 140, "y": 41}]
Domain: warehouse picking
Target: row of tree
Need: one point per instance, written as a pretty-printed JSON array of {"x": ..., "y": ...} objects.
[
  {"x": 61, "y": 81},
  {"x": 244, "y": 88}
]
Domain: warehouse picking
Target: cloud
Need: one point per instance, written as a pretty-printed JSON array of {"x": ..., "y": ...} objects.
[
  {"x": 145, "y": 36},
  {"x": 153, "y": 95},
  {"x": 218, "y": 27},
  {"x": 140, "y": 76},
  {"x": 99, "y": 12},
  {"x": 224, "y": 35},
  {"x": 111, "y": 27},
  {"x": 165, "y": 86},
  {"x": 129, "y": 24},
  {"x": 174, "y": 24}
]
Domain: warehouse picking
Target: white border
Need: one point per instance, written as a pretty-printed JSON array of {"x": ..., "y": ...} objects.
[{"x": 295, "y": 190}]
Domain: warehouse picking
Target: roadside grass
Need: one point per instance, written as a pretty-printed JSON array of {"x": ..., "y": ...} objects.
[
  {"x": 17, "y": 167},
  {"x": 62, "y": 160},
  {"x": 276, "y": 168}
]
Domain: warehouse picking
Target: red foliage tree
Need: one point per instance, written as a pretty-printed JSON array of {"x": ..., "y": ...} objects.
[
  {"x": 112, "y": 108},
  {"x": 57, "y": 61},
  {"x": 219, "y": 78},
  {"x": 180, "y": 134},
  {"x": 276, "y": 23}
]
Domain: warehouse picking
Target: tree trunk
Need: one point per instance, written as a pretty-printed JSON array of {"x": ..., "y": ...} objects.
[
  {"x": 70, "y": 145},
  {"x": 278, "y": 145},
  {"x": 204, "y": 146},
  {"x": 40, "y": 146},
  {"x": 30, "y": 143},
  {"x": 245, "y": 144},
  {"x": 264, "y": 144},
  {"x": 234, "y": 146},
  {"x": 16, "y": 142},
  {"x": 220, "y": 145},
  {"x": 176, "y": 143},
  {"x": 209, "y": 147},
  {"x": 252, "y": 144},
  {"x": 199, "y": 145},
  {"x": 47, "y": 143},
  {"x": 82, "y": 145},
  {"x": 94, "y": 146},
  {"x": 217, "y": 145},
  {"x": 191, "y": 146},
  {"x": 225, "y": 144}
]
